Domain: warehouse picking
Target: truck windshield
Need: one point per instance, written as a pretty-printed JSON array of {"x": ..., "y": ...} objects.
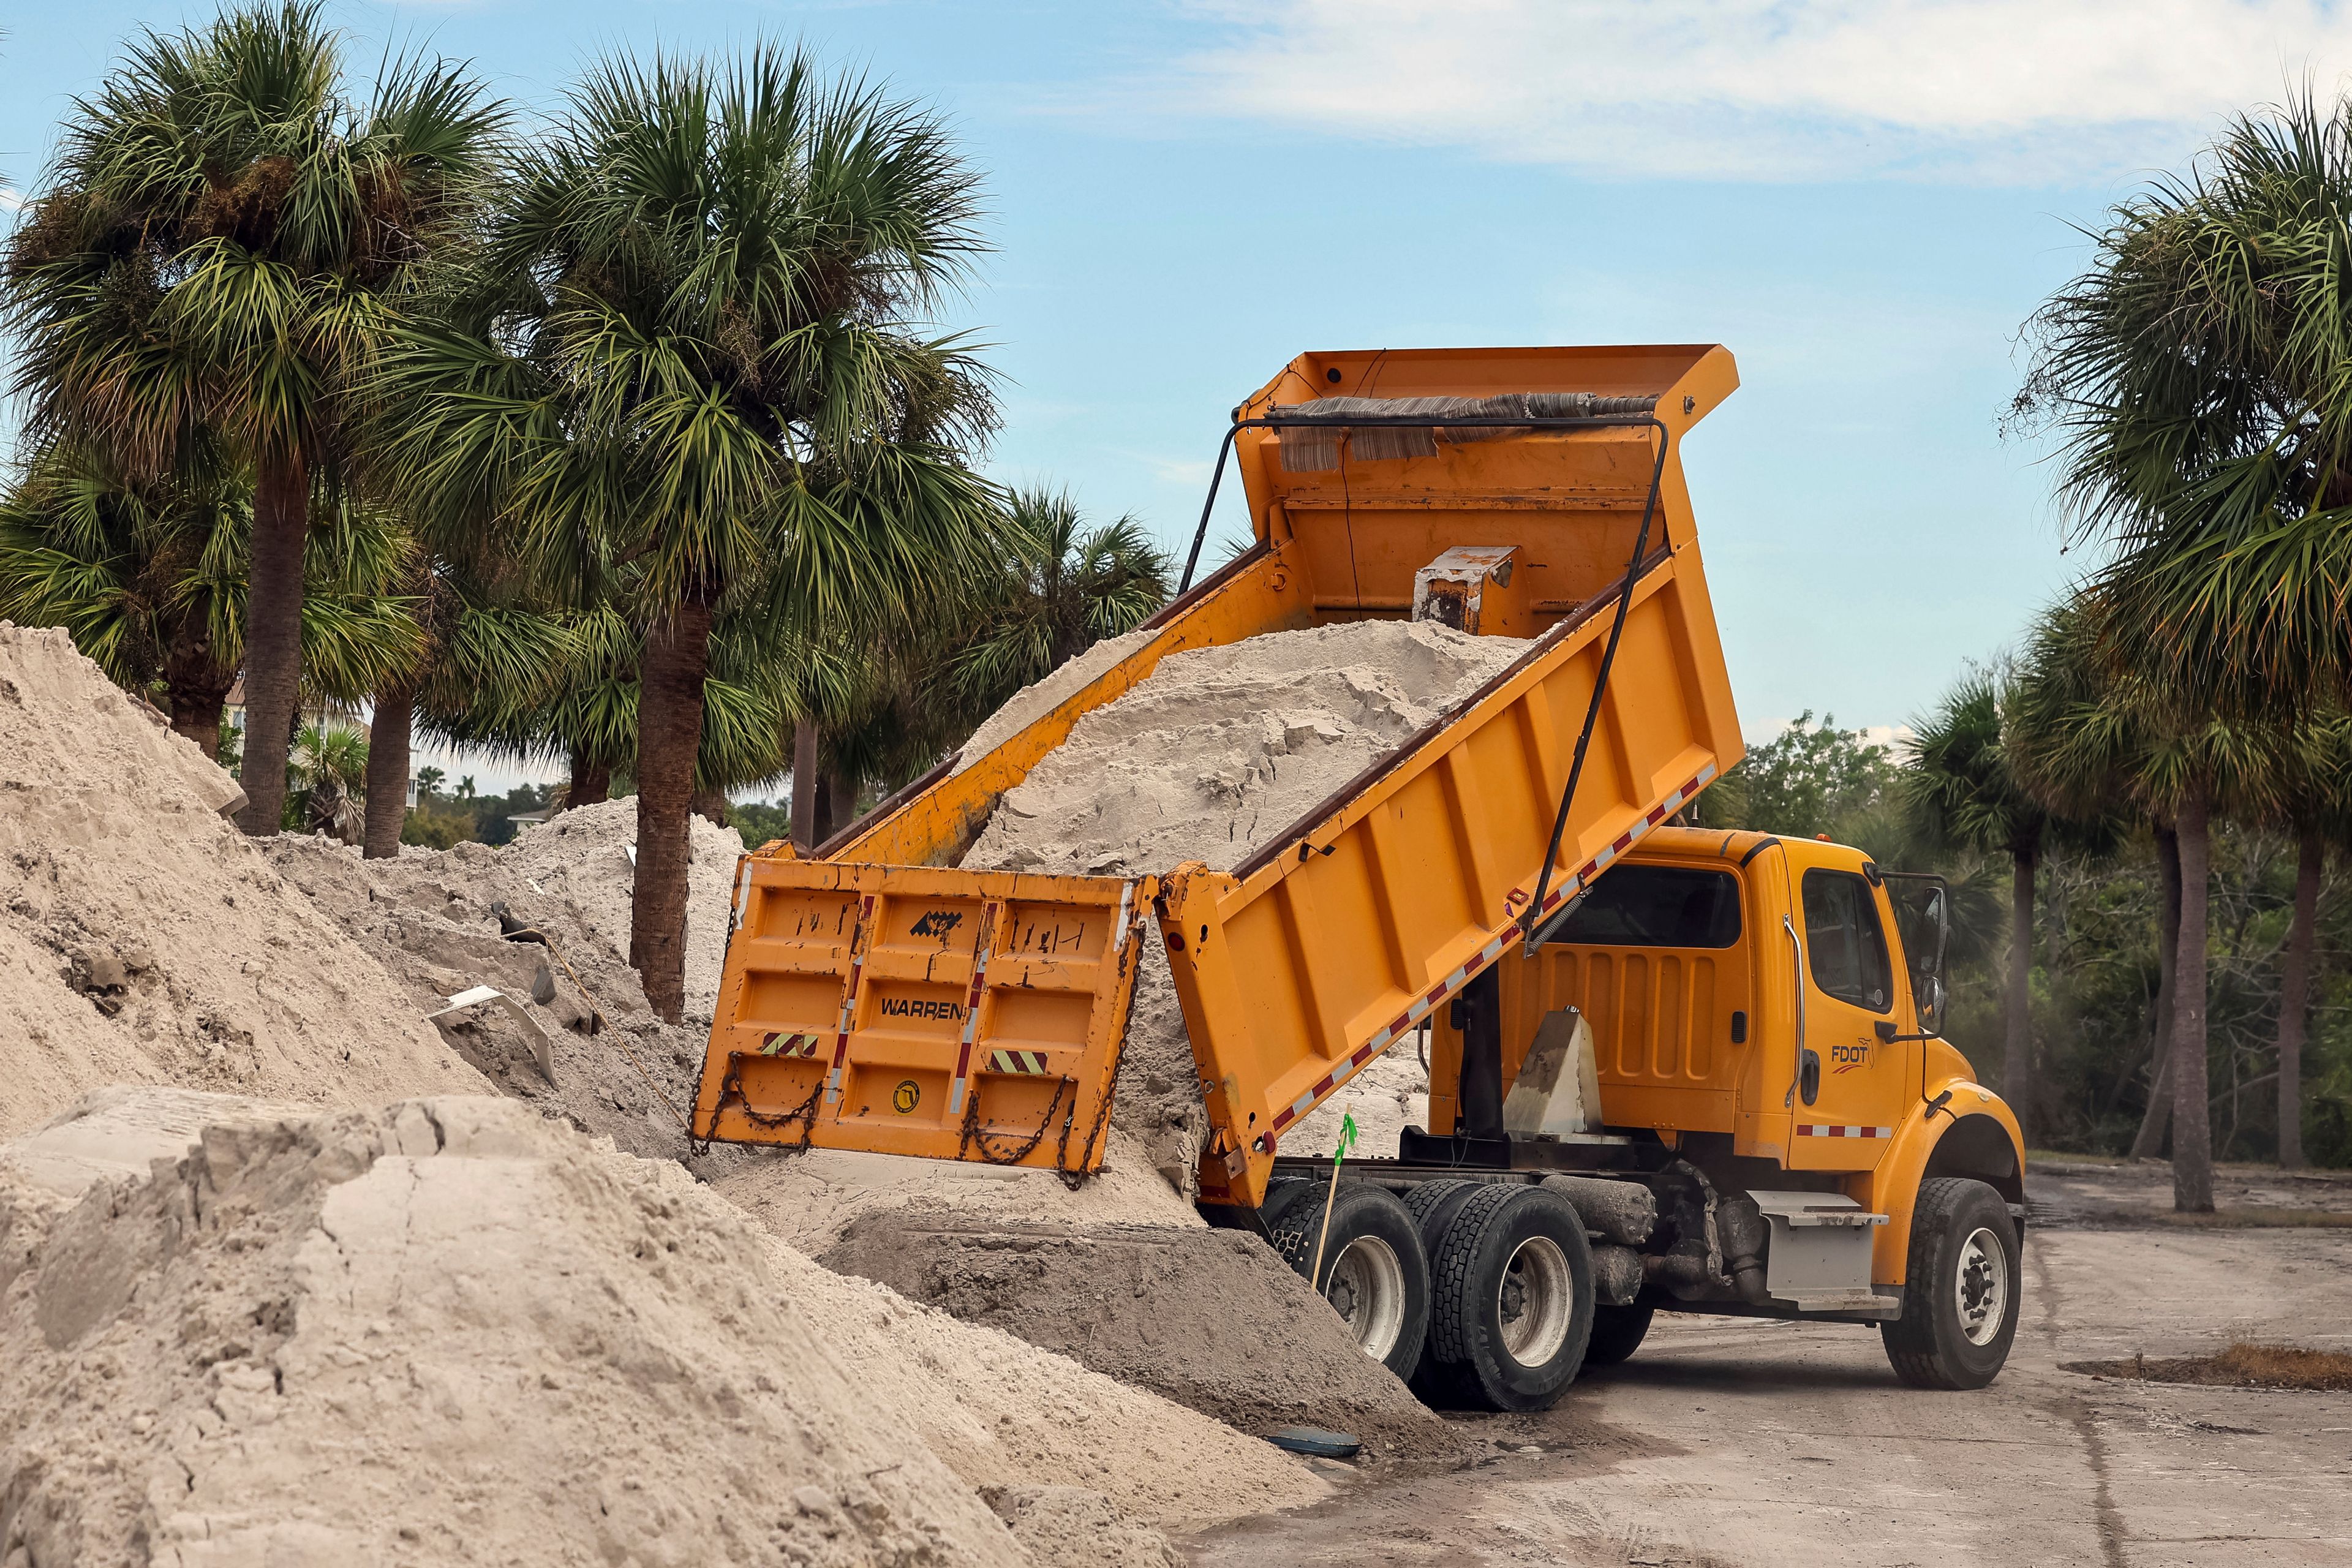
[{"x": 1656, "y": 906}]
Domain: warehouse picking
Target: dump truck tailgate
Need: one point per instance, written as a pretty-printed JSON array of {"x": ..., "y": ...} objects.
[{"x": 917, "y": 1010}]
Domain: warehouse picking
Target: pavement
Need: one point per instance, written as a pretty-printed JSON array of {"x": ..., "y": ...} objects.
[{"x": 1730, "y": 1443}]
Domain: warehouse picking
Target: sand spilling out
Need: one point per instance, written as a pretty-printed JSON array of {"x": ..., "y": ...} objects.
[
  {"x": 143, "y": 938},
  {"x": 454, "y": 1331},
  {"x": 1213, "y": 754}
]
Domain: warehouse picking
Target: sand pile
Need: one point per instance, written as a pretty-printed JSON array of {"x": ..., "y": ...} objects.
[
  {"x": 453, "y": 1331},
  {"x": 143, "y": 938},
  {"x": 428, "y": 917},
  {"x": 581, "y": 859}
]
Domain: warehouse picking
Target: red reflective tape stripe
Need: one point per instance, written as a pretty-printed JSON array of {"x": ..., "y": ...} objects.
[
  {"x": 1362, "y": 1057},
  {"x": 1657, "y": 813},
  {"x": 1282, "y": 1118}
]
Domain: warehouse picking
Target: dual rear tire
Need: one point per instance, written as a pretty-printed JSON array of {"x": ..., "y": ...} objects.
[{"x": 1479, "y": 1294}]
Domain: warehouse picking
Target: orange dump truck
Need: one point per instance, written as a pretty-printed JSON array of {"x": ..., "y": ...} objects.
[{"x": 1670, "y": 1068}]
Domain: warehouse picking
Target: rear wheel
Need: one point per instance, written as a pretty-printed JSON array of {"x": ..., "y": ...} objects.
[
  {"x": 1513, "y": 1308},
  {"x": 1960, "y": 1291},
  {"x": 1617, "y": 1333},
  {"x": 1375, "y": 1273},
  {"x": 1433, "y": 1204}
]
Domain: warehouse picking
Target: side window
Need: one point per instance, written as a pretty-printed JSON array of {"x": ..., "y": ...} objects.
[
  {"x": 1656, "y": 906},
  {"x": 1844, "y": 942}
]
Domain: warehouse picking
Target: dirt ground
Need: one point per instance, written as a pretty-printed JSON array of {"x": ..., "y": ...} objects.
[{"x": 1732, "y": 1443}]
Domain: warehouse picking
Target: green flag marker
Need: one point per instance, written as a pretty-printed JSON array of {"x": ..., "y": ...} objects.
[{"x": 1347, "y": 1140}]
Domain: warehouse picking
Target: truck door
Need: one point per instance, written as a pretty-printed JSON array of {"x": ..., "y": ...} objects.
[{"x": 1852, "y": 1088}]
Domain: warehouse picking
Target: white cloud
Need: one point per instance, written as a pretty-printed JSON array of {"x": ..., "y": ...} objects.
[{"x": 2008, "y": 91}]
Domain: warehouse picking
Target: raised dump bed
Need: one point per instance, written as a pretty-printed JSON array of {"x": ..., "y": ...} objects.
[{"x": 877, "y": 998}]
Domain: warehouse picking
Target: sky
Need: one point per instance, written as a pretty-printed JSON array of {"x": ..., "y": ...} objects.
[{"x": 1864, "y": 200}]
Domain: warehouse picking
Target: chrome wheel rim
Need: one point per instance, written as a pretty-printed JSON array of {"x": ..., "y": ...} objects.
[
  {"x": 1980, "y": 1287},
  {"x": 1534, "y": 1301},
  {"x": 1366, "y": 1287}
]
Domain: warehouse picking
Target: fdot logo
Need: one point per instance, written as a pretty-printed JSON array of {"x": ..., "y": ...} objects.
[
  {"x": 907, "y": 1096},
  {"x": 937, "y": 923}
]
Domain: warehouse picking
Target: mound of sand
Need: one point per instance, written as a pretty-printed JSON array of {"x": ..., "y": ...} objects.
[
  {"x": 581, "y": 860},
  {"x": 453, "y": 1331},
  {"x": 428, "y": 917},
  {"x": 143, "y": 938}
]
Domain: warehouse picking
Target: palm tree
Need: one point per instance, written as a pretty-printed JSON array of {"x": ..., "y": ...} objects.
[
  {"x": 2317, "y": 762},
  {"x": 705, "y": 389},
  {"x": 150, "y": 580},
  {"x": 2088, "y": 726},
  {"x": 217, "y": 249},
  {"x": 327, "y": 764},
  {"x": 1967, "y": 796},
  {"x": 1063, "y": 587},
  {"x": 146, "y": 577},
  {"x": 2078, "y": 743},
  {"x": 2194, "y": 373}
]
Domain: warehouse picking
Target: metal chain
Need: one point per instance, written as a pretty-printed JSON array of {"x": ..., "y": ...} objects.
[
  {"x": 731, "y": 1091},
  {"x": 973, "y": 1138}
]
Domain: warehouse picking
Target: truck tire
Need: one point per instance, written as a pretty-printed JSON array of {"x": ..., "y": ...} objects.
[
  {"x": 1960, "y": 1291},
  {"x": 1284, "y": 1193},
  {"x": 1617, "y": 1333},
  {"x": 1375, "y": 1271},
  {"x": 1433, "y": 1204},
  {"x": 1513, "y": 1286}
]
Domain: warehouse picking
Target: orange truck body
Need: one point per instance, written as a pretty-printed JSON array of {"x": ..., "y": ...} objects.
[{"x": 877, "y": 996}]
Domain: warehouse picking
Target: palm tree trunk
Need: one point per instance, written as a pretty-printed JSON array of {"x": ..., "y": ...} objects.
[
  {"x": 670, "y": 735},
  {"x": 2295, "y": 996},
  {"x": 2192, "y": 1128},
  {"x": 2017, "y": 1053},
  {"x": 841, "y": 805},
  {"x": 592, "y": 781},
  {"x": 2150, "y": 1142},
  {"x": 387, "y": 772},
  {"x": 273, "y": 636},
  {"x": 805, "y": 836},
  {"x": 194, "y": 684}
]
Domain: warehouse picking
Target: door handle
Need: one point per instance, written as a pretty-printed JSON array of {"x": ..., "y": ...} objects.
[{"x": 1809, "y": 1063}]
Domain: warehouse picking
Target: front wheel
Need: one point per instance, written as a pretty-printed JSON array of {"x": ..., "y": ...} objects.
[{"x": 1960, "y": 1292}]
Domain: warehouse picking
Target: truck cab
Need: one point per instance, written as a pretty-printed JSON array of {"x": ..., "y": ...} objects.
[{"x": 1758, "y": 1015}]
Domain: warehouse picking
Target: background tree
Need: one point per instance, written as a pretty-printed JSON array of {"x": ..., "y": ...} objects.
[
  {"x": 1967, "y": 796},
  {"x": 213, "y": 255},
  {"x": 1063, "y": 586},
  {"x": 706, "y": 375},
  {"x": 2195, "y": 373}
]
